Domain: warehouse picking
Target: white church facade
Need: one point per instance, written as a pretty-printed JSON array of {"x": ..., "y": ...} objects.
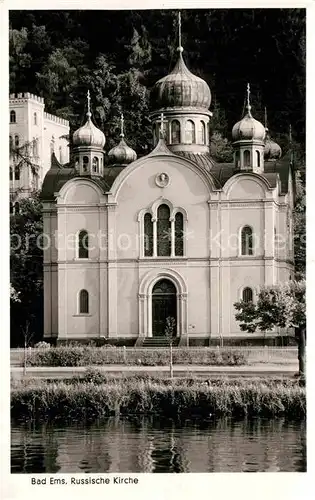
[{"x": 135, "y": 243}]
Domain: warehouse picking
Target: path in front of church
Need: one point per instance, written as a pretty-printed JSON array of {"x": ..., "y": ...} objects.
[{"x": 255, "y": 370}]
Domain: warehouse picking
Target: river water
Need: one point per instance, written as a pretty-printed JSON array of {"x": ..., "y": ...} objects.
[{"x": 157, "y": 445}]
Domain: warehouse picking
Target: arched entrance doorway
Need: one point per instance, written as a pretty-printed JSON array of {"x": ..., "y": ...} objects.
[{"x": 163, "y": 306}]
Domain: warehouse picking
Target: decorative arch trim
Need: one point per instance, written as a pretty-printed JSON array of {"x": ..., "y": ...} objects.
[
  {"x": 261, "y": 181},
  {"x": 145, "y": 300},
  {"x": 61, "y": 196}
]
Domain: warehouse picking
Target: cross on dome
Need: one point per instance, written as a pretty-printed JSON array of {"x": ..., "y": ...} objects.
[
  {"x": 89, "y": 114},
  {"x": 180, "y": 48},
  {"x": 248, "y": 100},
  {"x": 122, "y": 125}
]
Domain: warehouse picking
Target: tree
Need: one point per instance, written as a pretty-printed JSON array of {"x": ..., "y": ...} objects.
[
  {"x": 26, "y": 263},
  {"x": 277, "y": 306},
  {"x": 169, "y": 333},
  {"x": 299, "y": 227}
]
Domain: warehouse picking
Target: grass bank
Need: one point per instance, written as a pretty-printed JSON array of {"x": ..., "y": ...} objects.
[
  {"x": 92, "y": 399},
  {"x": 86, "y": 356}
]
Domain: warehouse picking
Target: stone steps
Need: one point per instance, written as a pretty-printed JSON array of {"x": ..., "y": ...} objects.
[{"x": 159, "y": 342}]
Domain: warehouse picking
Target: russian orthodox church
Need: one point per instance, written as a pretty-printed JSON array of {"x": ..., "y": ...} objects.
[{"x": 166, "y": 243}]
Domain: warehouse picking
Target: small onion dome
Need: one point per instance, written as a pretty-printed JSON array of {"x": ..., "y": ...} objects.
[
  {"x": 122, "y": 154},
  {"x": 89, "y": 135},
  {"x": 248, "y": 129},
  {"x": 272, "y": 150},
  {"x": 181, "y": 88}
]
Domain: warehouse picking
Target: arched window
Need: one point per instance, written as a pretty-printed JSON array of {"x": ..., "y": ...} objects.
[
  {"x": 202, "y": 132},
  {"x": 190, "y": 132},
  {"x": 247, "y": 241},
  {"x": 76, "y": 163},
  {"x": 35, "y": 118},
  {"x": 237, "y": 159},
  {"x": 247, "y": 294},
  {"x": 11, "y": 208},
  {"x": 12, "y": 117},
  {"x": 84, "y": 302},
  {"x": 85, "y": 163},
  {"x": 35, "y": 147},
  {"x": 148, "y": 235},
  {"x": 246, "y": 158},
  {"x": 17, "y": 173},
  {"x": 95, "y": 166},
  {"x": 179, "y": 234},
  {"x": 11, "y": 174},
  {"x": 163, "y": 231},
  {"x": 11, "y": 142},
  {"x": 17, "y": 208},
  {"x": 16, "y": 141},
  {"x": 258, "y": 158},
  {"x": 175, "y": 132},
  {"x": 83, "y": 245}
]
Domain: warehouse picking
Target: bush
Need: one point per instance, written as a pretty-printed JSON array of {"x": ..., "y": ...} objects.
[
  {"x": 87, "y": 356},
  {"x": 86, "y": 400},
  {"x": 42, "y": 345}
]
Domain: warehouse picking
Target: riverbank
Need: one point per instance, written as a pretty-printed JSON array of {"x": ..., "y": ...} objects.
[{"x": 96, "y": 397}]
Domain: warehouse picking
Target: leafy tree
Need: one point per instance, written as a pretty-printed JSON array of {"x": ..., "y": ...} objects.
[
  {"x": 26, "y": 264},
  {"x": 277, "y": 306},
  {"x": 299, "y": 226}
]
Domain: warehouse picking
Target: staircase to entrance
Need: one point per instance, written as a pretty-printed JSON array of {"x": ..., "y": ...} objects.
[{"x": 160, "y": 341}]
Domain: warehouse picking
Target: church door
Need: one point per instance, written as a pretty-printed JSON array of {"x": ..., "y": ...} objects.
[{"x": 163, "y": 306}]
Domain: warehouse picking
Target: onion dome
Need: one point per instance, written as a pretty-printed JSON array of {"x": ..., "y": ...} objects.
[
  {"x": 88, "y": 134},
  {"x": 122, "y": 154},
  {"x": 181, "y": 88},
  {"x": 272, "y": 149},
  {"x": 248, "y": 129}
]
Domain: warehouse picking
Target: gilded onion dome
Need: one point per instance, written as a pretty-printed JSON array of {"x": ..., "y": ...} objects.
[
  {"x": 181, "y": 88},
  {"x": 122, "y": 154},
  {"x": 88, "y": 134},
  {"x": 248, "y": 129}
]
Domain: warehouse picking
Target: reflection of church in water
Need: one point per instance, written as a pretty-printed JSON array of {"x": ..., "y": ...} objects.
[{"x": 169, "y": 235}]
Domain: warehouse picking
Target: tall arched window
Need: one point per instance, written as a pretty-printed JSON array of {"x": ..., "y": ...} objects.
[
  {"x": 17, "y": 173},
  {"x": 35, "y": 118},
  {"x": 35, "y": 147},
  {"x": 175, "y": 132},
  {"x": 10, "y": 142},
  {"x": 164, "y": 236},
  {"x": 202, "y": 132},
  {"x": 95, "y": 165},
  {"x": 190, "y": 132},
  {"x": 258, "y": 158},
  {"x": 85, "y": 163},
  {"x": 179, "y": 234},
  {"x": 16, "y": 141},
  {"x": 148, "y": 235},
  {"x": 83, "y": 245},
  {"x": 247, "y": 294},
  {"x": 246, "y": 158},
  {"x": 247, "y": 241},
  {"x": 84, "y": 302},
  {"x": 17, "y": 208},
  {"x": 237, "y": 159},
  {"x": 11, "y": 208},
  {"x": 12, "y": 117},
  {"x": 11, "y": 174}
]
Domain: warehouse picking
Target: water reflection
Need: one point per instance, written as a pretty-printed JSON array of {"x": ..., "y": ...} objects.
[{"x": 157, "y": 445}]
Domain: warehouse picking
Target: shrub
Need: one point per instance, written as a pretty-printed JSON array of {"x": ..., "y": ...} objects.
[
  {"x": 86, "y": 400},
  {"x": 87, "y": 356},
  {"x": 42, "y": 345}
]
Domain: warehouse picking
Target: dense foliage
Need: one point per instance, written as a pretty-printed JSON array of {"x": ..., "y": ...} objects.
[
  {"x": 26, "y": 267},
  {"x": 89, "y": 401},
  {"x": 119, "y": 55}
]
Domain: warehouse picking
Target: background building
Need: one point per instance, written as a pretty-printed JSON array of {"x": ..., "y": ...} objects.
[{"x": 34, "y": 136}]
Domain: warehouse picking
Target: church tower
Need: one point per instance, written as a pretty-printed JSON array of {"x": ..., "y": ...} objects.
[
  {"x": 88, "y": 147},
  {"x": 249, "y": 136},
  {"x": 184, "y": 100}
]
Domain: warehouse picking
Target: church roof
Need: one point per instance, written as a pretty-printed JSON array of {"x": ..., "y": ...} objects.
[
  {"x": 58, "y": 175},
  {"x": 204, "y": 160}
]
